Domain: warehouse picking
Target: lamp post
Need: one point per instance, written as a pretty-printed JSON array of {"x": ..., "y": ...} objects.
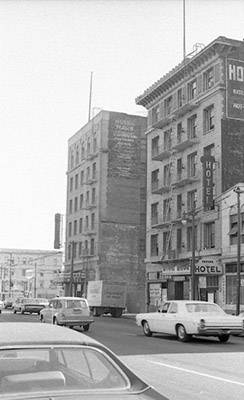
[
  {"x": 185, "y": 218},
  {"x": 71, "y": 268},
  {"x": 238, "y": 191}
]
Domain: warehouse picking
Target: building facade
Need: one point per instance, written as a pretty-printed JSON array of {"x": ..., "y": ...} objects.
[
  {"x": 30, "y": 273},
  {"x": 106, "y": 205},
  {"x": 195, "y": 147}
]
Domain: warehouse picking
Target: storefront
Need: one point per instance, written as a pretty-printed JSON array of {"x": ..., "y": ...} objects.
[
  {"x": 208, "y": 272},
  {"x": 231, "y": 286}
]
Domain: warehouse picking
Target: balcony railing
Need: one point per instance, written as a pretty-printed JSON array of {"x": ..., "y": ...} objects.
[
  {"x": 188, "y": 142},
  {"x": 161, "y": 154},
  {"x": 159, "y": 187}
]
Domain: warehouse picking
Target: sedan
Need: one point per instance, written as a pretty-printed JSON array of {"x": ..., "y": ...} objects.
[
  {"x": 187, "y": 318},
  {"x": 44, "y": 362}
]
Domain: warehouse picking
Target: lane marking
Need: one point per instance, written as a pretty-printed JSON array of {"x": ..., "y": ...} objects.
[{"x": 197, "y": 373}]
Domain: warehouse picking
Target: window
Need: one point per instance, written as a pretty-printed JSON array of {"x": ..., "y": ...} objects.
[
  {"x": 208, "y": 119},
  {"x": 80, "y": 225},
  {"x": 81, "y": 200},
  {"x": 179, "y": 169},
  {"x": 77, "y": 157},
  {"x": 87, "y": 197},
  {"x": 191, "y": 164},
  {"x": 86, "y": 247},
  {"x": 179, "y": 132},
  {"x": 93, "y": 195},
  {"x": 92, "y": 248},
  {"x": 154, "y": 245},
  {"x": 167, "y": 175},
  {"x": 80, "y": 249},
  {"x": 75, "y": 227},
  {"x": 76, "y": 204},
  {"x": 82, "y": 151},
  {"x": 191, "y": 200},
  {"x": 155, "y": 114},
  {"x": 155, "y": 181},
  {"x": 208, "y": 79},
  {"x": 179, "y": 205},
  {"x": 209, "y": 235},
  {"x": 192, "y": 127},
  {"x": 74, "y": 249},
  {"x": 71, "y": 160},
  {"x": 70, "y": 228},
  {"x": 71, "y": 184},
  {"x": 167, "y": 139},
  {"x": 166, "y": 210},
  {"x": 155, "y": 146},
  {"x": 94, "y": 171},
  {"x": 189, "y": 237},
  {"x": 81, "y": 177},
  {"x": 192, "y": 89},
  {"x": 76, "y": 181},
  {"x": 87, "y": 173},
  {"x": 87, "y": 222},
  {"x": 154, "y": 214},
  {"x": 168, "y": 105},
  {"x": 88, "y": 147},
  {"x": 94, "y": 144},
  {"x": 166, "y": 242},
  {"x": 179, "y": 98},
  {"x": 70, "y": 206},
  {"x": 234, "y": 228},
  {"x": 179, "y": 239},
  {"x": 93, "y": 221},
  {"x": 231, "y": 290}
]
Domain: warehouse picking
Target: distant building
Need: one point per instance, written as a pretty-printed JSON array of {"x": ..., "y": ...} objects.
[
  {"x": 195, "y": 147},
  {"x": 30, "y": 273},
  {"x": 106, "y": 208}
]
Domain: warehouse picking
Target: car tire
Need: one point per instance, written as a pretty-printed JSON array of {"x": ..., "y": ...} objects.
[
  {"x": 146, "y": 329},
  {"x": 14, "y": 311},
  {"x": 55, "y": 322},
  {"x": 86, "y": 327},
  {"x": 22, "y": 312},
  {"x": 182, "y": 336},
  {"x": 42, "y": 319},
  {"x": 224, "y": 338}
]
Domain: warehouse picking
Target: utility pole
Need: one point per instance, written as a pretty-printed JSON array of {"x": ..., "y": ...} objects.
[
  {"x": 71, "y": 268},
  {"x": 35, "y": 273},
  {"x": 238, "y": 191},
  {"x": 193, "y": 286}
]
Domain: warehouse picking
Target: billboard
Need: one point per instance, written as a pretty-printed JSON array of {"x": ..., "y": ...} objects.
[{"x": 235, "y": 89}]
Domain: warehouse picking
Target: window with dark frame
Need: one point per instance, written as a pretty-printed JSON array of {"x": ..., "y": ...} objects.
[
  {"x": 192, "y": 127},
  {"x": 71, "y": 184},
  {"x": 209, "y": 235},
  {"x": 81, "y": 200},
  {"x": 80, "y": 225},
  {"x": 154, "y": 245},
  {"x": 179, "y": 132},
  {"x": 75, "y": 227},
  {"x": 192, "y": 165},
  {"x": 179, "y": 239},
  {"x": 92, "y": 248},
  {"x": 179, "y": 169},
  {"x": 70, "y": 206},
  {"x": 208, "y": 119},
  {"x": 155, "y": 146},
  {"x": 192, "y": 89},
  {"x": 154, "y": 213},
  {"x": 179, "y": 205},
  {"x": 168, "y": 105},
  {"x": 155, "y": 180},
  {"x": 167, "y": 139},
  {"x": 191, "y": 200},
  {"x": 76, "y": 204},
  {"x": 180, "y": 97},
  {"x": 208, "y": 79},
  {"x": 234, "y": 228}
]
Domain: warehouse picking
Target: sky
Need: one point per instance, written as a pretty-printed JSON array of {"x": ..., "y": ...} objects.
[{"x": 48, "y": 50}]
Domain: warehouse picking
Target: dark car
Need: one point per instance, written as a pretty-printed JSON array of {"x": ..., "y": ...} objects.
[
  {"x": 44, "y": 361},
  {"x": 8, "y": 303},
  {"x": 33, "y": 305}
]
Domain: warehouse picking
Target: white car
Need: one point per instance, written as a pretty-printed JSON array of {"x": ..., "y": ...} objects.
[
  {"x": 185, "y": 318},
  {"x": 1, "y": 306}
]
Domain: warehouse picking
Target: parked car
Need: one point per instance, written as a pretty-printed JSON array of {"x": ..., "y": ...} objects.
[
  {"x": 40, "y": 361},
  {"x": 1, "y": 306},
  {"x": 30, "y": 305},
  {"x": 67, "y": 311},
  {"x": 8, "y": 303},
  {"x": 187, "y": 318},
  {"x": 16, "y": 307}
]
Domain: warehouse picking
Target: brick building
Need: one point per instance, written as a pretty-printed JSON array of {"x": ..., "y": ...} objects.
[
  {"x": 195, "y": 147},
  {"x": 106, "y": 206}
]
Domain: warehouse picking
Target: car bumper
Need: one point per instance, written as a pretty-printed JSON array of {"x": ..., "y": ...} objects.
[
  {"x": 219, "y": 331},
  {"x": 75, "y": 322}
]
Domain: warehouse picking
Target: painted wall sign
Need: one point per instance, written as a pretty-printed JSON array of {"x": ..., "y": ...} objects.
[
  {"x": 208, "y": 267},
  {"x": 207, "y": 165},
  {"x": 235, "y": 89}
]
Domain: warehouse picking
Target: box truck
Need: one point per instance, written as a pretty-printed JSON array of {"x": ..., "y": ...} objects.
[{"x": 106, "y": 297}]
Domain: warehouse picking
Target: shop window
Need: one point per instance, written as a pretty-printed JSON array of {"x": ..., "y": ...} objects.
[
  {"x": 231, "y": 290},
  {"x": 154, "y": 245},
  {"x": 209, "y": 235},
  {"x": 154, "y": 214}
]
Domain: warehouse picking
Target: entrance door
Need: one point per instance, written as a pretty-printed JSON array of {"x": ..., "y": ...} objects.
[{"x": 179, "y": 290}]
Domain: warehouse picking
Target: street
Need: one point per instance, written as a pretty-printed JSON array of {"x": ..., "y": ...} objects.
[{"x": 200, "y": 369}]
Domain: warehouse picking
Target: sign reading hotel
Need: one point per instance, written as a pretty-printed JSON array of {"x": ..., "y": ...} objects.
[
  {"x": 208, "y": 266},
  {"x": 235, "y": 89},
  {"x": 207, "y": 165}
]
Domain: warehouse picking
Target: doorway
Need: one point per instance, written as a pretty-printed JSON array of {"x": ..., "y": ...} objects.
[{"x": 179, "y": 290}]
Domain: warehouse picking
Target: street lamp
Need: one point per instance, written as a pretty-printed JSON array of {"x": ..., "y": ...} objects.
[
  {"x": 238, "y": 191},
  {"x": 184, "y": 220},
  {"x": 72, "y": 245}
]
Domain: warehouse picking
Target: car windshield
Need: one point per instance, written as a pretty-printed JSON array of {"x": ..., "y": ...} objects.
[
  {"x": 76, "y": 303},
  {"x": 58, "y": 369},
  {"x": 204, "y": 308}
]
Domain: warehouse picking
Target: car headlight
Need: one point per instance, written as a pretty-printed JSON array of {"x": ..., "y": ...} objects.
[{"x": 202, "y": 323}]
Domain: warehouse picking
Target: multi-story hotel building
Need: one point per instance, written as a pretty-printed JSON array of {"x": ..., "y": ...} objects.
[
  {"x": 195, "y": 147},
  {"x": 106, "y": 205},
  {"x": 30, "y": 273}
]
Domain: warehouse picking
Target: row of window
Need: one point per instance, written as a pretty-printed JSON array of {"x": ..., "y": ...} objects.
[
  {"x": 91, "y": 173},
  {"x": 78, "y": 225},
  {"x": 82, "y": 249},
  {"x": 80, "y": 203},
  {"x": 208, "y": 239},
  {"x": 80, "y": 152},
  {"x": 186, "y": 93}
]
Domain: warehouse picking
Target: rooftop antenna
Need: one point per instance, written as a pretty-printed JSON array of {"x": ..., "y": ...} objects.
[
  {"x": 90, "y": 97},
  {"x": 184, "y": 29}
]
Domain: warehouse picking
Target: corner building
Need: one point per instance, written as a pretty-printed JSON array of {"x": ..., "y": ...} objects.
[
  {"x": 195, "y": 113},
  {"x": 106, "y": 205}
]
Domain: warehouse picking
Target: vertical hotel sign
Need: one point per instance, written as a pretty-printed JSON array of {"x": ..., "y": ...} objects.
[
  {"x": 207, "y": 164},
  {"x": 235, "y": 89}
]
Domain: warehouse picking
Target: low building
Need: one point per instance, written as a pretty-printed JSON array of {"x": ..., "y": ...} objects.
[{"x": 30, "y": 273}]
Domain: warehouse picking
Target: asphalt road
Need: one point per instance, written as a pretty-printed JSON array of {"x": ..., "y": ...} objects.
[{"x": 203, "y": 369}]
